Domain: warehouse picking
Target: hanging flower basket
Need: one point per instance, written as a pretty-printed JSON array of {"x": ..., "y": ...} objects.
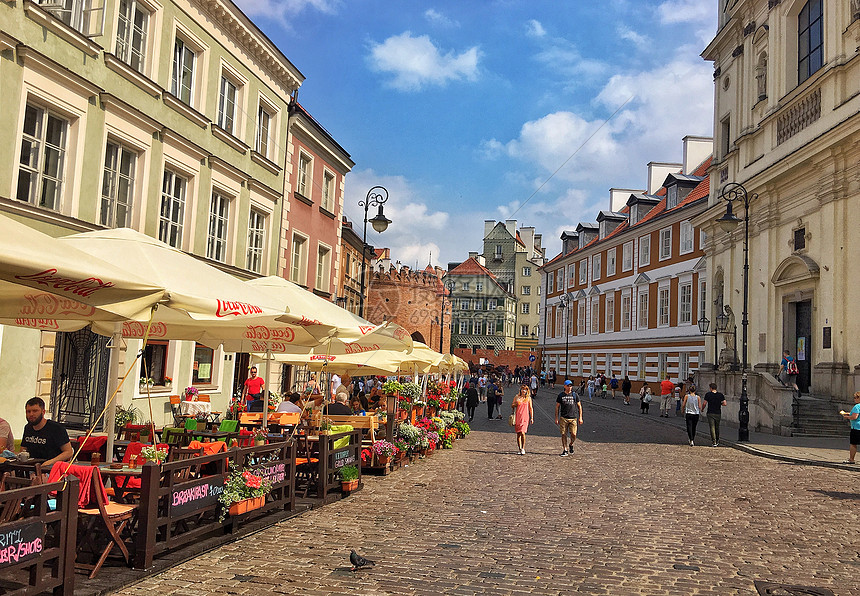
[{"x": 246, "y": 505}]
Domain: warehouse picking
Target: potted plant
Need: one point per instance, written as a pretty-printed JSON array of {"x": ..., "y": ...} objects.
[
  {"x": 145, "y": 383},
  {"x": 348, "y": 478},
  {"x": 384, "y": 452},
  {"x": 392, "y": 387},
  {"x": 191, "y": 393},
  {"x": 125, "y": 416},
  {"x": 153, "y": 453},
  {"x": 260, "y": 436},
  {"x": 243, "y": 492},
  {"x": 325, "y": 427},
  {"x": 167, "y": 382}
]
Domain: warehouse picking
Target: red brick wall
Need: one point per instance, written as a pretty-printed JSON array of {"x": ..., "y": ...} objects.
[{"x": 509, "y": 358}]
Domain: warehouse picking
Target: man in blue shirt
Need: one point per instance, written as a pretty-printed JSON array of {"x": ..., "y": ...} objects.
[{"x": 854, "y": 417}]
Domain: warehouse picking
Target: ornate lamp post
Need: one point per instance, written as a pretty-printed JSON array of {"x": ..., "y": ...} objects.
[
  {"x": 731, "y": 193},
  {"x": 722, "y": 324},
  {"x": 449, "y": 285},
  {"x": 566, "y": 300},
  {"x": 376, "y": 197}
]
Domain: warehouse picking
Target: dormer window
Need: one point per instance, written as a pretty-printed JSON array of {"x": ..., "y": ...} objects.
[{"x": 672, "y": 196}]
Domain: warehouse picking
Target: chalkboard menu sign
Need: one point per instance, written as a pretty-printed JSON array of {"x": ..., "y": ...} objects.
[
  {"x": 343, "y": 458},
  {"x": 275, "y": 472},
  {"x": 21, "y": 541},
  {"x": 189, "y": 497}
]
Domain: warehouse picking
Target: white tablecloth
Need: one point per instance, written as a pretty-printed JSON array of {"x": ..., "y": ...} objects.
[{"x": 195, "y": 408}]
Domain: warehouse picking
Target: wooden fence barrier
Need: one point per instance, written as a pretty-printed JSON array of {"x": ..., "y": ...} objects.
[{"x": 37, "y": 545}]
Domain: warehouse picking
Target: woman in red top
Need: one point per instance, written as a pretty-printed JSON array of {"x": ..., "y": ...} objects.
[{"x": 253, "y": 387}]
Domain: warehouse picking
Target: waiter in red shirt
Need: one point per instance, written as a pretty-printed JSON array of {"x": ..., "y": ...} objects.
[{"x": 253, "y": 389}]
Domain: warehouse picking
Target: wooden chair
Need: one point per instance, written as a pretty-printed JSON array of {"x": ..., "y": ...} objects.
[
  {"x": 115, "y": 517},
  {"x": 178, "y": 417},
  {"x": 307, "y": 465},
  {"x": 182, "y": 454},
  {"x": 13, "y": 509},
  {"x": 213, "y": 417}
]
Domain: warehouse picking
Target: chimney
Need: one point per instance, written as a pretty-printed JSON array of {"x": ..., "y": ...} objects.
[
  {"x": 481, "y": 260},
  {"x": 696, "y": 151},
  {"x": 527, "y": 234},
  {"x": 473, "y": 254},
  {"x": 511, "y": 227},
  {"x": 489, "y": 224},
  {"x": 618, "y": 198},
  {"x": 657, "y": 172}
]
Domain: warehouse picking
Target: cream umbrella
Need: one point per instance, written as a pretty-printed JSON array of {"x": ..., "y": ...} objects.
[{"x": 47, "y": 285}]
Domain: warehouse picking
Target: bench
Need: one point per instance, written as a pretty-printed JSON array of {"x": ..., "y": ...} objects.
[
  {"x": 369, "y": 422},
  {"x": 279, "y": 418}
]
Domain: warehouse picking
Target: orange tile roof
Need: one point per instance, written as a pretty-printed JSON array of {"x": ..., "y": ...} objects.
[{"x": 471, "y": 266}]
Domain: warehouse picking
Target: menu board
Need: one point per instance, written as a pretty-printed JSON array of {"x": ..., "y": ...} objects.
[
  {"x": 21, "y": 541},
  {"x": 195, "y": 495}
]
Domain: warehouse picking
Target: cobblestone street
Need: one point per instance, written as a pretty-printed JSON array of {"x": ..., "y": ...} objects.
[{"x": 635, "y": 510}]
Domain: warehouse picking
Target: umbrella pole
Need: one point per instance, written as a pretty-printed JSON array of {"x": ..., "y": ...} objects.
[
  {"x": 266, "y": 390},
  {"x": 113, "y": 375}
]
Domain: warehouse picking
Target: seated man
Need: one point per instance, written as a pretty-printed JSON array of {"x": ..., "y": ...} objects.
[
  {"x": 339, "y": 407},
  {"x": 7, "y": 439},
  {"x": 290, "y": 404},
  {"x": 43, "y": 438}
]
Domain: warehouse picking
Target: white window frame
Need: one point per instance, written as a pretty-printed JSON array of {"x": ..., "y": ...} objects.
[
  {"x": 686, "y": 238},
  {"x": 524, "y": 330},
  {"x": 559, "y": 275},
  {"x": 299, "y": 259},
  {"x": 228, "y": 102},
  {"x": 625, "y": 364},
  {"x": 583, "y": 271},
  {"x": 683, "y": 365},
  {"x": 645, "y": 252},
  {"x": 492, "y": 304},
  {"x": 627, "y": 256},
  {"x": 304, "y": 174},
  {"x": 479, "y": 286},
  {"x": 642, "y": 366},
  {"x": 703, "y": 302},
  {"x": 642, "y": 306},
  {"x": 476, "y": 327},
  {"x": 464, "y": 304},
  {"x": 464, "y": 286},
  {"x": 580, "y": 318},
  {"x": 219, "y": 227},
  {"x": 132, "y": 33},
  {"x": 596, "y": 267},
  {"x": 328, "y": 191},
  {"x": 580, "y": 364},
  {"x": 607, "y": 365},
  {"x": 35, "y": 168},
  {"x": 174, "y": 197},
  {"x": 626, "y": 310},
  {"x": 685, "y": 303},
  {"x": 595, "y": 315},
  {"x": 610, "y": 313},
  {"x": 256, "y": 255},
  {"x": 526, "y": 290},
  {"x": 664, "y": 315},
  {"x": 180, "y": 66},
  {"x": 527, "y": 271},
  {"x": 610, "y": 262},
  {"x": 119, "y": 173},
  {"x": 478, "y": 304},
  {"x": 662, "y": 365},
  {"x": 593, "y": 364},
  {"x": 665, "y": 244},
  {"x": 525, "y": 307},
  {"x": 464, "y": 327},
  {"x": 323, "y": 277},
  {"x": 491, "y": 327}
]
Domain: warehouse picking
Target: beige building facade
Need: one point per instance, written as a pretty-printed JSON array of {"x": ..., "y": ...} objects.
[{"x": 787, "y": 127}]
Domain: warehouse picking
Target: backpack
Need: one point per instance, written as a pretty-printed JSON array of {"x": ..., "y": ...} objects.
[{"x": 791, "y": 367}]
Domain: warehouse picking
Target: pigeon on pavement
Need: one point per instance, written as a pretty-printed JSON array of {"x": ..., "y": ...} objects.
[{"x": 358, "y": 561}]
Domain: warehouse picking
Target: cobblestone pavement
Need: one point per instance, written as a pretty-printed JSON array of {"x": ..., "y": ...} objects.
[{"x": 635, "y": 510}]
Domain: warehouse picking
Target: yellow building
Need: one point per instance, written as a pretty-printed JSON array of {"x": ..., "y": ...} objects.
[{"x": 787, "y": 99}]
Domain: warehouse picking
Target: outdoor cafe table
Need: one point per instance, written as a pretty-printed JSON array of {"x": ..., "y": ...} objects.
[
  {"x": 195, "y": 408},
  {"x": 120, "y": 477}
]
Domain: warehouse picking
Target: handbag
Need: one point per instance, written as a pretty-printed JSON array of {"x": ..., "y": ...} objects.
[{"x": 512, "y": 419}]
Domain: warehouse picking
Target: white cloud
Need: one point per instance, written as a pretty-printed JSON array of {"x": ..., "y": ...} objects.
[
  {"x": 284, "y": 10},
  {"x": 415, "y": 62},
  {"x": 639, "y": 40},
  {"x": 686, "y": 11},
  {"x": 534, "y": 28},
  {"x": 434, "y": 17}
]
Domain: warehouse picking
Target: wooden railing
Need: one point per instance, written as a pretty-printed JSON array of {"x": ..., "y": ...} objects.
[
  {"x": 179, "y": 501},
  {"x": 331, "y": 459},
  {"x": 37, "y": 548}
]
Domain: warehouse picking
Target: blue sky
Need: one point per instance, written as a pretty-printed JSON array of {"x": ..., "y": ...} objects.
[{"x": 465, "y": 109}]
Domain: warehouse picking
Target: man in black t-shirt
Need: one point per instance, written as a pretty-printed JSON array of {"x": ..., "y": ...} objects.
[
  {"x": 43, "y": 438},
  {"x": 568, "y": 416},
  {"x": 714, "y": 400}
]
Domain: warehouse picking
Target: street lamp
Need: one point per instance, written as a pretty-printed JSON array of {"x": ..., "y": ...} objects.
[
  {"x": 566, "y": 300},
  {"x": 449, "y": 285},
  {"x": 722, "y": 324},
  {"x": 729, "y": 222},
  {"x": 376, "y": 197}
]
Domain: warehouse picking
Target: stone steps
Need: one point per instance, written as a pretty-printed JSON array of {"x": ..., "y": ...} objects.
[{"x": 819, "y": 417}]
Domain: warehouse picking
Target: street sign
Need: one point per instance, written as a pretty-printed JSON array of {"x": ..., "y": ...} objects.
[{"x": 532, "y": 358}]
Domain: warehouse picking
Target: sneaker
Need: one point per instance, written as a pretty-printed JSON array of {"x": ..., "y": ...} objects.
[
  {"x": 570, "y": 449},
  {"x": 691, "y": 443},
  {"x": 524, "y": 452},
  {"x": 564, "y": 453},
  {"x": 715, "y": 445}
]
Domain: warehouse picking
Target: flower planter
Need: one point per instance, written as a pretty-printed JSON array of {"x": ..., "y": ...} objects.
[
  {"x": 349, "y": 486},
  {"x": 246, "y": 505},
  {"x": 432, "y": 411},
  {"x": 383, "y": 460},
  {"x": 259, "y": 442}
]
